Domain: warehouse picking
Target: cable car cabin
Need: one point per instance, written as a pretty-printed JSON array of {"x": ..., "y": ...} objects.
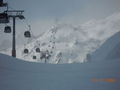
[
  {"x": 37, "y": 50},
  {"x": 34, "y": 57},
  {"x": 4, "y": 18},
  {"x": 7, "y": 29},
  {"x": 26, "y": 51},
  {"x": 2, "y": 4},
  {"x": 27, "y": 34}
]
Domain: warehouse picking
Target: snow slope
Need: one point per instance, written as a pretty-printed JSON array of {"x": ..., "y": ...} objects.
[
  {"x": 21, "y": 75},
  {"x": 109, "y": 50}
]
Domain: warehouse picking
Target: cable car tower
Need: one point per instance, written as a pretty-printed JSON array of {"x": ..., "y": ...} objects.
[
  {"x": 17, "y": 14},
  {"x": 5, "y": 18}
]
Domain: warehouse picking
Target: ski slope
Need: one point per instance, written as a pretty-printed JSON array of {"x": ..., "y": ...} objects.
[{"x": 17, "y": 74}]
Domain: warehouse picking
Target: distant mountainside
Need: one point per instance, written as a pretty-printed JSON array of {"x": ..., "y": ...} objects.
[
  {"x": 61, "y": 44},
  {"x": 68, "y": 43},
  {"x": 109, "y": 50}
]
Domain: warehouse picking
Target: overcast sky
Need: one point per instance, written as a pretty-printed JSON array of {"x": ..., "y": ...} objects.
[{"x": 50, "y": 9}]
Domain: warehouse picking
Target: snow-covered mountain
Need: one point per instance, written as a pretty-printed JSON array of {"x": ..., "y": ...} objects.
[
  {"x": 61, "y": 44},
  {"x": 68, "y": 43},
  {"x": 110, "y": 50}
]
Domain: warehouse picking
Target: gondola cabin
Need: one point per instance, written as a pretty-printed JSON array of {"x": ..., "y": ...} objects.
[
  {"x": 4, "y": 18},
  {"x": 2, "y": 4},
  {"x": 34, "y": 57},
  {"x": 26, "y": 51},
  {"x": 38, "y": 50},
  {"x": 7, "y": 29},
  {"x": 27, "y": 34}
]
